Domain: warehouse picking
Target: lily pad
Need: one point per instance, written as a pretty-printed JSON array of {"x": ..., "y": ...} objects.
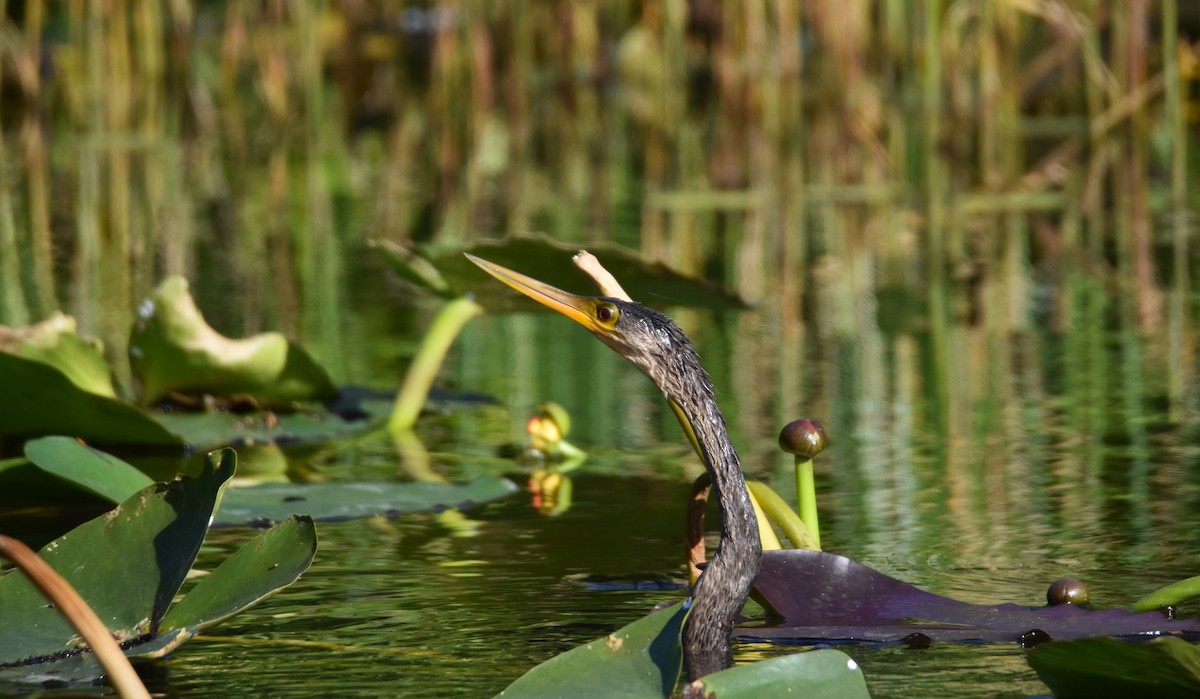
[
  {"x": 817, "y": 674},
  {"x": 344, "y": 501},
  {"x": 172, "y": 348},
  {"x": 445, "y": 271},
  {"x": 209, "y": 430},
  {"x": 1100, "y": 668},
  {"x": 54, "y": 342},
  {"x": 40, "y": 400},
  {"x": 643, "y": 659},
  {"x": 129, "y": 564},
  {"x": 259, "y": 569},
  {"x": 820, "y": 596},
  {"x": 91, "y": 469}
]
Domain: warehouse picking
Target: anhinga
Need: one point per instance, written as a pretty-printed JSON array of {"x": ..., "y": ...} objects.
[{"x": 659, "y": 348}]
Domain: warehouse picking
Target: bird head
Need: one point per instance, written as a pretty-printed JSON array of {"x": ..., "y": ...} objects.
[{"x": 643, "y": 336}]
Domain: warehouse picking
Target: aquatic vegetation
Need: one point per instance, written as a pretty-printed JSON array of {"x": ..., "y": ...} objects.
[
  {"x": 129, "y": 563},
  {"x": 259, "y": 504}
]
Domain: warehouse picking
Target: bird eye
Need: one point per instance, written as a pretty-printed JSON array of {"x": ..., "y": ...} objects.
[{"x": 606, "y": 313}]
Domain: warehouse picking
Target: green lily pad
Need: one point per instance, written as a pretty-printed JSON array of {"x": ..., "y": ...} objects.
[
  {"x": 54, "y": 342},
  {"x": 445, "y": 271},
  {"x": 173, "y": 349},
  {"x": 128, "y": 565},
  {"x": 345, "y": 501},
  {"x": 817, "y": 674},
  {"x": 209, "y": 430},
  {"x": 262, "y": 567},
  {"x": 40, "y": 400},
  {"x": 641, "y": 660},
  {"x": 1164, "y": 668},
  {"x": 91, "y": 469}
]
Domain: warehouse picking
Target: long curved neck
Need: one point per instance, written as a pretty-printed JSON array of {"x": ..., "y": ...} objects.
[{"x": 725, "y": 584}]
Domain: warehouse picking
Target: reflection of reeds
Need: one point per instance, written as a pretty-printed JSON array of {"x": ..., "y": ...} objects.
[{"x": 971, "y": 157}]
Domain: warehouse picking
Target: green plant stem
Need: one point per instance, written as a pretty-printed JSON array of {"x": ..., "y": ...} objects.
[
  {"x": 806, "y": 498},
  {"x": 1175, "y": 593},
  {"x": 68, "y": 602},
  {"x": 782, "y": 515},
  {"x": 413, "y": 392}
]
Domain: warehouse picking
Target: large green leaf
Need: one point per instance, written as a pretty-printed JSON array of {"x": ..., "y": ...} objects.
[
  {"x": 641, "y": 660},
  {"x": 818, "y": 674},
  {"x": 269, "y": 563},
  {"x": 128, "y": 564},
  {"x": 93, "y": 470},
  {"x": 40, "y": 400},
  {"x": 172, "y": 348},
  {"x": 343, "y": 501},
  {"x": 1164, "y": 668},
  {"x": 445, "y": 271},
  {"x": 54, "y": 342},
  {"x": 209, "y": 430}
]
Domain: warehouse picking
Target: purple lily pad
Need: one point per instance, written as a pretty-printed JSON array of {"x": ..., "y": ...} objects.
[{"x": 820, "y": 596}]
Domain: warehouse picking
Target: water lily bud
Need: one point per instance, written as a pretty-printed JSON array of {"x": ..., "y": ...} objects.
[
  {"x": 804, "y": 438},
  {"x": 558, "y": 415},
  {"x": 1067, "y": 591}
]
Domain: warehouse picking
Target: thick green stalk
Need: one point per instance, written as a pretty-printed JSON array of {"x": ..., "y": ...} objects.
[
  {"x": 779, "y": 512},
  {"x": 806, "y": 498},
  {"x": 411, "y": 397}
]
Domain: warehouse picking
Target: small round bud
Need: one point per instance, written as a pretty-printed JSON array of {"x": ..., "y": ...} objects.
[
  {"x": 558, "y": 415},
  {"x": 1067, "y": 591},
  {"x": 804, "y": 438}
]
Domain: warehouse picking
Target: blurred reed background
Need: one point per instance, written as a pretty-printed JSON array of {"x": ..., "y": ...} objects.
[{"x": 961, "y": 219}]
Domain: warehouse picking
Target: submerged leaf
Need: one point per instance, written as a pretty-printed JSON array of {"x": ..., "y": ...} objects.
[
  {"x": 344, "y": 501},
  {"x": 40, "y": 400},
  {"x": 91, "y": 469},
  {"x": 823, "y": 596},
  {"x": 172, "y": 348},
  {"x": 641, "y": 660},
  {"x": 1099, "y": 668},
  {"x": 816, "y": 674}
]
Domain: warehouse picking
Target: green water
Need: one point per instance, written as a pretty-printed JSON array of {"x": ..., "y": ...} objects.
[{"x": 1002, "y": 348}]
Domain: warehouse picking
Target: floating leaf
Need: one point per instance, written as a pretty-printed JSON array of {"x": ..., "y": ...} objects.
[
  {"x": 54, "y": 342},
  {"x": 344, "y": 501},
  {"x": 128, "y": 564},
  {"x": 447, "y": 272},
  {"x": 91, "y": 469},
  {"x": 817, "y": 674},
  {"x": 823, "y": 596},
  {"x": 1100, "y": 668},
  {"x": 40, "y": 400},
  {"x": 209, "y": 430},
  {"x": 172, "y": 348},
  {"x": 262, "y": 567},
  {"x": 641, "y": 660}
]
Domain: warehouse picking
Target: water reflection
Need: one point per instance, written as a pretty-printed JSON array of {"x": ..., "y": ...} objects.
[{"x": 971, "y": 261}]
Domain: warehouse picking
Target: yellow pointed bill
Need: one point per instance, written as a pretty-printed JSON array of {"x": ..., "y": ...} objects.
[{"x": 577, "y": 308}]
